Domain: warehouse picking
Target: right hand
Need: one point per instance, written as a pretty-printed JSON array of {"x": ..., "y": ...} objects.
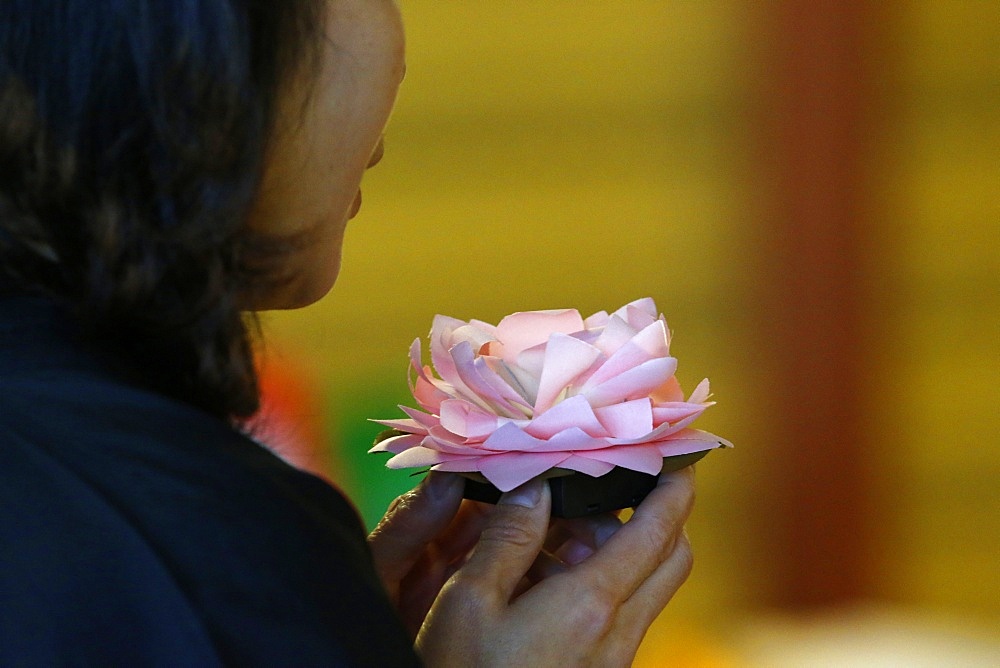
[{"x": 513, "y": 604}]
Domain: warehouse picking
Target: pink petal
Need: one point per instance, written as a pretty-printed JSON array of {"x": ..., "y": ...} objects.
[
  {"x": 565, "y": 359},
  {"x": 441, "y": 439},
  {"x": 636, "y": 382},
  {"x": 509, "y": 470},
  {"x": 645, "y": 458},
  {"x": 480, "y": 379},
  {"x": 523, "y": 382},
  {"x": 573, "y": 412},
  {"x": 467, "y": 420},
  {"x": 441, "y": 343},
  {"x": 629, "y": 419},
  {"x": 417, "y": 456},
  {"x": 520, "y": 331},
  {"x": 658, "y": 434},
  {"x": 396, "y": 444},
  {"x": 669, "y": 392},
  {"x": 650, "y": 343},
  {"x": 424, "y": 389},
  {"x": 511, "y": 437},
  {"x": 573, "y": 439},
  {"x": 690, "y": 440},
  {"x": 701, "y": 393},
  {"x": 590, "y": 467},
  {"x": 473, "y": 334},
  {"x": 459, "y": 465},
  {"x": 597, "y": 320},
  {"x": 409, "y": 426},
  {"x": 425, "y": 419},
  {"x": 485, "y": 369},
  {"x": 532, "y": 361},
  {"x": 639, "y": 313},
  {"x": 675, "y": 411},
  {"x": 615, "y": 335}
]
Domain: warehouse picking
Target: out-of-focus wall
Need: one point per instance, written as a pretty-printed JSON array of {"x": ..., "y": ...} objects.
[
  {"x": 553, "y": 153},
  {"x": 938, "y": 306}
]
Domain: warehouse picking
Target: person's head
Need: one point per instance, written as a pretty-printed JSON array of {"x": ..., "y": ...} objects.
[{"x": 166, "y": 166}]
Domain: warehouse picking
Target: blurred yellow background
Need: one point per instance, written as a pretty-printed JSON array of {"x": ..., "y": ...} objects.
[{"x": 586, "y": 153}]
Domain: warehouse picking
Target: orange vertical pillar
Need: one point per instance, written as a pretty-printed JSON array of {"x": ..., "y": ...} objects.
[{"x": 815, "y": 102}]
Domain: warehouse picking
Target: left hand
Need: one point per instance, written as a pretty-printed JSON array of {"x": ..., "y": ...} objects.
[
  {"x": 428, "y": 533},
  {"x": 423, "y": 539}
]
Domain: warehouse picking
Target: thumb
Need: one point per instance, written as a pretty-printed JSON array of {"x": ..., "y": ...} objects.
[
  {"x": 412, "y": 521},
  {"x": 511, "y": 540}
]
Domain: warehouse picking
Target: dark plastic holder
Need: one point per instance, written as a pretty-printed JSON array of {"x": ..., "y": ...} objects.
[{"x": 578, "y": 494}]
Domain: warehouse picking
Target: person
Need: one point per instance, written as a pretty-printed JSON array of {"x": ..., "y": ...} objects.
[{"x": 166, "y": 169}]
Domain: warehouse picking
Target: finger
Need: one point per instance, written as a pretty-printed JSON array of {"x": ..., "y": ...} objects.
[
  {"x": 573, "y": 540},
  {"x": 509, "y": 543},
  {"x": 592, "y": 531},
  {"x": 642, "y": 608},
  {"x": 461, "y": 536},
  {"x": 637, "y": 549},
  {"x": 545, "y": 565},
  {"x": 412, "y": 521}
]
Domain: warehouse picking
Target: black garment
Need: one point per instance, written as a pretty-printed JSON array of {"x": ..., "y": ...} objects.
[{"x": 136, "y": 530}]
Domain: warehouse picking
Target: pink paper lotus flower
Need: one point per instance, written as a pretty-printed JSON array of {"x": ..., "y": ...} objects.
[{"x": 548, "y": 389}]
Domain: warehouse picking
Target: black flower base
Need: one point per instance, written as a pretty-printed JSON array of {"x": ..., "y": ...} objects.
[{"x": 578, "y": 495}]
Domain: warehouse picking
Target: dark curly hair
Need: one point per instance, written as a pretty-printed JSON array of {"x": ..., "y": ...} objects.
[{"x": 132, "y": 141}]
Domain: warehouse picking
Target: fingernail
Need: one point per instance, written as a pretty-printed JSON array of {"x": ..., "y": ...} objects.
[
  {"x": 604, "y": 534},
  {"x": 573, "y": 551},
  {"x": 527, "y": 495}
]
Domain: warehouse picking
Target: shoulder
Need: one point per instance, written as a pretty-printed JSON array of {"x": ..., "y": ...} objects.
[{"x": 116, "y": 499}]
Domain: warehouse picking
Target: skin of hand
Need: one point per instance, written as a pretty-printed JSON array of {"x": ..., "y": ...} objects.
[{"x": 505, "y": 585}]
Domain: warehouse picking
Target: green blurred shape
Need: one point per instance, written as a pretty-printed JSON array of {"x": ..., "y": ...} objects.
[{"x": 362, "y": 476}]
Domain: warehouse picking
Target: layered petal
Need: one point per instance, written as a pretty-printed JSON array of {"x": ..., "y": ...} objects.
[{"x": 545, "y": 389}]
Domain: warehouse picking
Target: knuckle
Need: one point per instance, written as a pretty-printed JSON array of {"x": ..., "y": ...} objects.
[
  {"x": 660, "y": 536},
  {"x": 509, "y": 531},
  {"x": 594, "y": 613},
  {"x": 685, "y": 557},
  {"x": 469, "y": 596}
]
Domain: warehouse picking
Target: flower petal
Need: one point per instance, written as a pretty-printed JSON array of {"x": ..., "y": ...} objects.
[
  {"x": 615, "y": 335},
  {"x": 523, "y": 330},
  {"x": 418, "y": 456},
  {"x": 397, "y": 444},
  {"x": 639, "y": 313},
  {"x": 573, "y": 439},
  {"x": 670, "y": 391},
  {"x": 591, "y": 467},
  {"x": 425, "y": 419},
  {"x": 573, "y": 412},
  {"x": 509, "y": 470},
  {"x": 634, "y": 383},
  {"x": 628, "y": 419},
  {"x": 467, "y": 420},
  {"x": 649, "y": 343},
  {"x": 441, "y": 342},
  {"x": 565, "y": 359},
  {"x": 493, "y": 393},
  {"x": 409, "y": 426},
  {"x": 424, "y": 388},
  {"x": 511, "y": 437},
  {"x": 701, "y": 393},
  {"x": 441, "y": 439},
  {"x": 645, "y": 457},
  {"x": 674, "y": 412},
  {"x": 690, "y": 440},
  {"x": 459, "y": 465}
]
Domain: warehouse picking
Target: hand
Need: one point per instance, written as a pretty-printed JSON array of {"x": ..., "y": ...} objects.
[
  {"x": 515, "y": 603},
  {"x": 425, "y": 536},
  {"x": 428, "y": 533}
]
